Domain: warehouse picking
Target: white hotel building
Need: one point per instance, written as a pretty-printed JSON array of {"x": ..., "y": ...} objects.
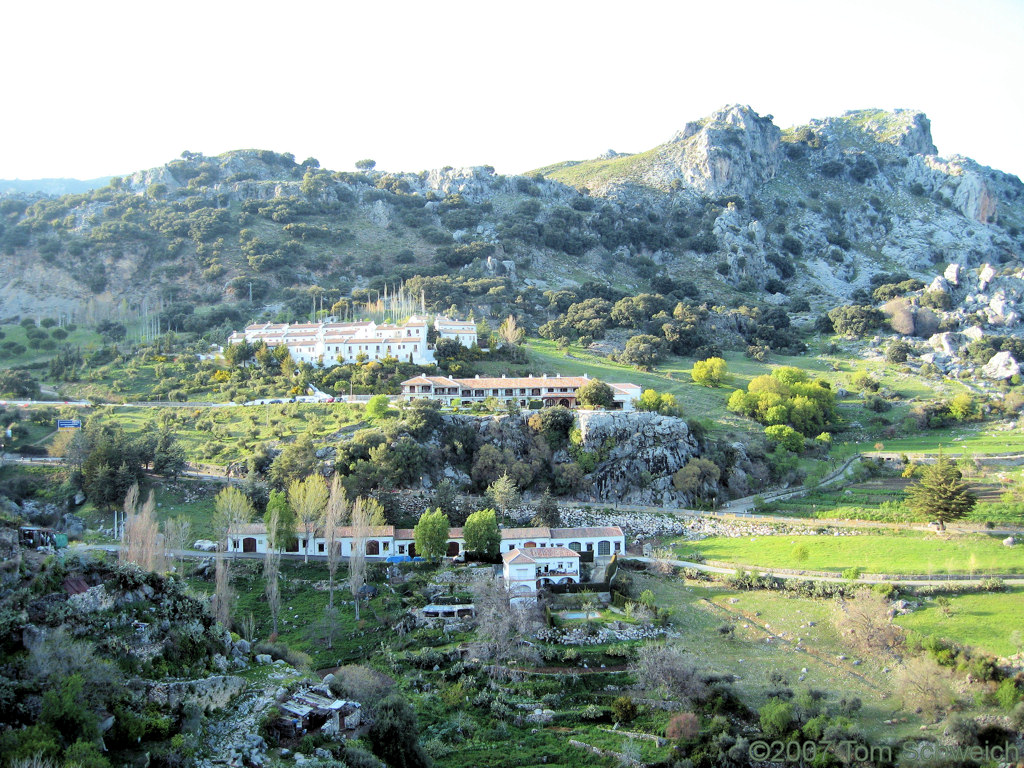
[{"x": 333, "y": 343}]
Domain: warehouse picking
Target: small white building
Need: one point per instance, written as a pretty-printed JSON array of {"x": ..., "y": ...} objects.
[{"x": 527, "y": 571}]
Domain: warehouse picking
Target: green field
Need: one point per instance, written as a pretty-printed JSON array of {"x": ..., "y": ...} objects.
[
  {"x": 916, "y": 553},
  {"x": 984, "y": 621},
  {"x": 83, "y": 338},
  {"x": 767, "y": 626},
  {"x": 882, "y": 500}
]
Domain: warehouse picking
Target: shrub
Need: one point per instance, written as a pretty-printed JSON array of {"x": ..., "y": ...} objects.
[
  {"x": 624, "y": 709},
  {"x": 685, "y": 726},
  {"x": 776, "y": 717}
]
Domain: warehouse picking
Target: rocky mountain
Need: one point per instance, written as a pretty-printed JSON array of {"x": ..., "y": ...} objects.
[{"x": 730, "y": 207}]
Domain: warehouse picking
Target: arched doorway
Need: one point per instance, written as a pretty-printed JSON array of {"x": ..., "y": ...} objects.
[
  {"x": 564, "y": 402},
  {"x": 372, "y": 547},
  {"x": 412, "y": 550},
  {"x": 604, "y": 548},
  {"x": 453, "y": 549},
  {"x": 575, "y": 546},
  {"x": 529, "y": 544},
  {"x": 249, "y": 544}
]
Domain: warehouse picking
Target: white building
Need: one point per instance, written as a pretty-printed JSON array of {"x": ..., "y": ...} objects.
[
  {"x": 332, "y": 343},
  {"x": 527, "y": 571},
  {"x": 549, "y": 390},
  {"x": 386, "y": 541}
]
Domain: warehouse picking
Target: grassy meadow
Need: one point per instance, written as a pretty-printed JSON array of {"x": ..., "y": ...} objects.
[{"x": 897, "y": 553}]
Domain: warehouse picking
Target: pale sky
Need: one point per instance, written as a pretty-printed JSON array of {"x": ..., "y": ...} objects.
[{"x": 102, "y": 88}]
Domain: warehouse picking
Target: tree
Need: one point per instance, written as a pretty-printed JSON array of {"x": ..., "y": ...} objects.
[
  {"x": 924, "y": 685},
  {"x": 394, "y": 735},
  {"x": 659, "y": 402},
  {"x": 223, "y": 594},
  {"x": 941, "y": 494},
  {"x": 337, "y": 511},
  {"x": 510, "y": 333},
  {"x": 279, "y": 519},
  {"x": 431, "y": 534},
  {"x": 168, "y": 456},
  {"x": 697, "y": 475},
  {"x": 643, "y": 351},
  {"x": 366, "y": 165},
  {"x": 367, "y": 514},
  {"x": 296, "y": 461},
  {"x": 711, "y": 372},
  {"x": 669, "y": 669},
  {"x": 231, "y": 509},
  {"x": 308, "y": 498},
  {"x": 377, "y": 407},
  {"x": 867, "y": 621},
  {"x": 482, "y": 534},
  {"x": 595, "y": 394},
  {"x": 546, "y": 511},
  {"x": 503, "y": 494},
  {"x": 272, "y": 559},
  {"x": 141, "y": 541},
  {"x": 786, "y": 436},
  {"x": 177, "y": 532}
]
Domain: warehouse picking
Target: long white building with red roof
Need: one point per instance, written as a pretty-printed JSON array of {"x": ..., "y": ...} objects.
[
  {"x": 387, "y": 540},
  {"x": 331, "y": 343},
  {"x": 548, "y": 390}
]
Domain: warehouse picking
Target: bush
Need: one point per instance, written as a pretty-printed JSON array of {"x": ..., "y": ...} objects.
[
  {"x": 624, "y": 709},
  {"x": 276, "y": 651},
  {"x": 776, "y": 718}
]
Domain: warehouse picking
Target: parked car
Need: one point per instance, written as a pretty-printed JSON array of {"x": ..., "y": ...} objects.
[{"x": 205, "y": 545}]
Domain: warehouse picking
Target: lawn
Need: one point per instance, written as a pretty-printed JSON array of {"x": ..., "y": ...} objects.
[
  {"x": 984, "y": 621},
  {"x": 910, "y": 552}
]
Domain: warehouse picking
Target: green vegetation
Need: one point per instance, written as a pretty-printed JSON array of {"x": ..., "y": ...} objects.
[
  {"x": 917, "y": 553},
  {"x": 983, "y": 621}
]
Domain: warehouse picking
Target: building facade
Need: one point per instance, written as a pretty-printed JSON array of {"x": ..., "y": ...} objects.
[
  {"x": 547, "y": 390},
  {"x": 332, "y": 343},
  {"x": 386, "y": 541},
  {"x": 527, "y": 571}
]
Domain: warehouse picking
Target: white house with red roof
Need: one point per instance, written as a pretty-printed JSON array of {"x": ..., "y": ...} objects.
[
  {"x": 549, "y": 390},
  {"x": 527, "y": 571}
]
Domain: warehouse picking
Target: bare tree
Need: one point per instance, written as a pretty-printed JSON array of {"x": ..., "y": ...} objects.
[
  {"x": 177, "y": 532},
  {"x": 223, "y": 594},
  {"x": 272, "y": 566},
  {"x": 669, "y": 669},
  {"x": 501, "y": 624},
  {"x": 232, "y": 509},
  {"x": 131, "y": 501},
  {"x": 867, "y": 621},
  {"x": 924, "y": 686},
  {"x": 366, "y": 515},
  {"x": 141, "y": 543},
  {"x": 337, "y": 509},
  {"x": 308, "y": 498}
]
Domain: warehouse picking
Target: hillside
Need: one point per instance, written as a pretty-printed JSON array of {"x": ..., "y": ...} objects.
[{"x": 731, "y": 206}]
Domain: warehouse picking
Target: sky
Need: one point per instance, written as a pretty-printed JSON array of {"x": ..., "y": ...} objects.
[{"x": 104, "y": 88}]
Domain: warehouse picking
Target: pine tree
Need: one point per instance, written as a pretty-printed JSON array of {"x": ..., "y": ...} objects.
[{"x": 941, "y": 494}]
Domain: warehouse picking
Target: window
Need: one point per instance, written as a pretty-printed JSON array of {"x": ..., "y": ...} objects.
[{"x": 320, "y": 547}]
